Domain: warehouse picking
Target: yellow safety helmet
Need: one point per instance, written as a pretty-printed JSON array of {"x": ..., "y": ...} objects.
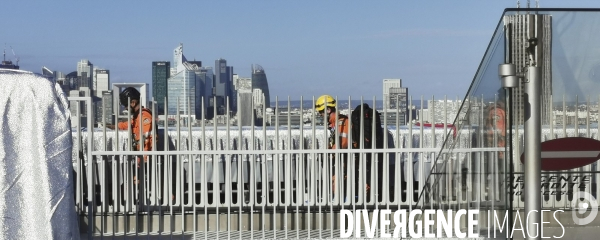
[{"x": 324, "y": 101}]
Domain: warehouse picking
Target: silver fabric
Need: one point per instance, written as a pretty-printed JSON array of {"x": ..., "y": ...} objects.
[{"x": 37, "y": 200}]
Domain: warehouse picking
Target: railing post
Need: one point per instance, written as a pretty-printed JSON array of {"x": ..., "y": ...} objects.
[{"x": 533, "y": 153}]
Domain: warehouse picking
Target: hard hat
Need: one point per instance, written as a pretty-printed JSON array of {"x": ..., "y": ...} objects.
[
  {"x": 128, "y": 93},
  {"x": 324, "y": 101}
]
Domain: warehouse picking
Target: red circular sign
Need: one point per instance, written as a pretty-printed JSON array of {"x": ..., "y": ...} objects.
[{"x": 568, "y": 153}]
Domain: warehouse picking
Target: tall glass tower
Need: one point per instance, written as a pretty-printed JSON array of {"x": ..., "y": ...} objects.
[
  {"x": 222, "y": 86},
  {"x": 160, "y": 74},
  {"x": 259, "y": 81},
  {"x": 182, "y": 93},
  {"x": 85, "y": 70}
]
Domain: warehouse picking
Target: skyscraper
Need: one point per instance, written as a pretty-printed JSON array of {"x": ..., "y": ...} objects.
[
  {"x": 204, "y": 81},
  {"x": 518, "y": 26},
  {"x": 246, "y": 113},
  {"x": 259, "y": 81},
  {"x": 222, "y": 85},
  {"x": 84, "y": 74},
  {"x": 71, "y": 79},
  {"x": 395, "y": 101},
  {"x": 107, "y": 107},
  {"x": 182, "y": 93},
  {"x": 183, "y": 86},
  {"x": 389, "y": 84},
  {"x": 101, "y": 81},
  {"x": 161, "y": 71}
]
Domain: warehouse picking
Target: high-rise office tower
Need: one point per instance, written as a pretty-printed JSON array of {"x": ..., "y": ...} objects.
[
  {"x": 178, "y": 60},
  {"x": 71, "y": 80},
  {"x": 101, "y": 81},
  {"x": 181, "y": 85},
  {"x": 388, "y": 84},
  {"x": 242, "y": 83},
  {"x": 246, "y": 113},
  {"x": 518, "y": 26},
  {"x": 161, "y": 71},
  {"x": 83, "y": 108},
  {"x": 259, "y": 81},
  {"x": 204, "y": 81},
  {"x": 182, "y": 93},
  {"x": 395, "y": 101},
  {"x": 258, "y": 97},
  {"x": 222, "y": 86},
  {"x": 107, "y": 107},
  {"x": 85, "y": 70}
]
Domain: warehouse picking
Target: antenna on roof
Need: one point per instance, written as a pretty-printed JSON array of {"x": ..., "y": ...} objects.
[{"x": 518, "y": 4}]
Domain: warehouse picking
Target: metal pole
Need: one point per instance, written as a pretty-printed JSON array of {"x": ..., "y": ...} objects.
[{"x": 533, "y": 152}]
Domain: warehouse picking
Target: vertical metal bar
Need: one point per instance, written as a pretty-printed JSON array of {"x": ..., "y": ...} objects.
[
  {"x": 325, "y": 175},
  {"x": 552, "y": 118},
  {"x": 311, "y": 165},
  {"x": 398, "y": 173},
  {"x": 168, "y": 164},
  {"x": 421, "y": 167},
  {"x": 131, "y": 169},
  {"x": 300, "y": 169},
  {"x": 275, "y": 169},
  {"x": 264, "y": 180},
  {"x": 252, "y": 179},
  {"x": 153, "y": 158},
  {"x": 331, "y": 162},
  {"x": 240, "y": 170},
  {"x": 228, "y": 158},
  {"x": 85, "y": 167},
  {"x": 576, "y": 126},
  {"x": 216, "y": 176},
  {"x": 287, "y": 170},
  {"x": 446, "y": 187},
  {"x": 410, "y": 168},
  {"x": 179, "y": 162},
  {"x": 564, "y": 116},
  {"x": 191, "y": 169},
  {"x": 587, "y": 117},
  {"x": 533, "y": 149},
  {"x": 204, "y": 170},
  {"x": 374, "y": 160},
  {"x": 362, "y": 159}
]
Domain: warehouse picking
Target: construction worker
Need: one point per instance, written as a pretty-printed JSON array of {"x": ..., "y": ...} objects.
[
  {"x": 134, "y": 105},
  {"x": 326, "y": 107},
  {"x": 496, "y": 127}
]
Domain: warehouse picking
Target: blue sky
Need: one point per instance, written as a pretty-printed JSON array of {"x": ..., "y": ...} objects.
[{"x": 307, "y": 48}]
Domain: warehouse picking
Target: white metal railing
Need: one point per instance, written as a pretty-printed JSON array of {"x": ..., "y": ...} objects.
[{"x": 276, "y": 180}]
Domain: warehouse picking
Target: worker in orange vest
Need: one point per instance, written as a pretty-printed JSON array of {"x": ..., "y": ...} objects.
[
  {"x": 495, "y": 125},
  {"x": 134, "y": 105}
]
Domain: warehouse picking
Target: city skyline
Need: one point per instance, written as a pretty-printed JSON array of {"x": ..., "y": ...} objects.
[{"x": 308, "y": 49}]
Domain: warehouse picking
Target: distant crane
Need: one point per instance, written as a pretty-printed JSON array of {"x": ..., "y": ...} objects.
[
  {"x": 15, "y": 55},
  {"x": 7, "y": 63}
]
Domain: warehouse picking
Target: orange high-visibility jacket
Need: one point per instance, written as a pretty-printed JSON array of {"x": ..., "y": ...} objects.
[
  {"x": 342, "y": 128},
  {"x": 135, "y": 128}
]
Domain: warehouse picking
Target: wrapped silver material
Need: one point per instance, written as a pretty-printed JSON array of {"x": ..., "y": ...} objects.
[{"x": 35, "y": 159}]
